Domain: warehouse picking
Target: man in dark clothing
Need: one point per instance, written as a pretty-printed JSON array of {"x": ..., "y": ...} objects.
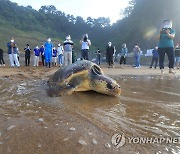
[
  {"x": 41, "y": 50},
  {"x": 2, "y": 63},
  {"x": 155, "y": 57},
  {"x": 109, "y": 55},
  {"x": 27, "y": 50}
]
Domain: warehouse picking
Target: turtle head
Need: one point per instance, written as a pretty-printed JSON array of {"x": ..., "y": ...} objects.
[
  {"x": 106, "y": 85},
  {"x": 103, "y": 84}
]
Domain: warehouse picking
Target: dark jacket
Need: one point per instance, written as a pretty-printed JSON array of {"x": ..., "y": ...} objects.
[
  {"x": 1, "y": 52},
  {"x": 10, "y": 48},
  {"x": 27, "y": 52},
  {"x": 110, "y": 51}
]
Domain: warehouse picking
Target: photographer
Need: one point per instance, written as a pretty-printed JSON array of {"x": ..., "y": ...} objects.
[
  {"x": 166, "y": 45},
  {"x": 85, "y": 44},
  {"x": 12, "y": 52}
]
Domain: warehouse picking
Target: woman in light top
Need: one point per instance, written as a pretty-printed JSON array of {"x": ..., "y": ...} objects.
[{"x": 85, "y": 44}]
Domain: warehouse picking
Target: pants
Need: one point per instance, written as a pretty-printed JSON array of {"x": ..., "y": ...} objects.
[
  {"x": 110, "y": 60},
  {"x": 27, "y": 60},
  {"x": 154, "y": 59},
  {"x": 12, "y": 58},
  {"x": 137, "y": 60},
  {"x": 54, "y": 59},
  {"x": 67, "y": 58},
  {"x": 1, "y": 60},
  {"x": 36, "y": 60},
  {"x": 60, "y": 57},
  {"x": 43, "y": 59},
  {"x": 123, "y": 60},
  {"x": 170, "y": 54},
  {"x": 85, "y": 54}
]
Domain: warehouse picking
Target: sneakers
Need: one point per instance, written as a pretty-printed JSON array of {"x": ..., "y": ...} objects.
[
  {"x": 162, "y": 71},
  {"x": 171, "y": 71},
  {"x": 138, "y": 67}
]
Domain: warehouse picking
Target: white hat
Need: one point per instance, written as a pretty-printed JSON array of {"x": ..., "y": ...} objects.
[{"x": 68, "y": 37}]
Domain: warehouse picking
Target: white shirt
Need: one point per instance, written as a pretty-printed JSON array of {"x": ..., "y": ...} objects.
[
  {"x": 60, "y": 50},
  {"x": 85, "y": 45}
]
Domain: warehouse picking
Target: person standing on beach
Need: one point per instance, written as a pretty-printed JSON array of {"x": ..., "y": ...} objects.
[
  {"x": 110, "y": 51},
  {"x": 166, "y": 45},
  {"x": 2, "y": 63},
  {"x": 48, "y": 52},
  {"x": 41, "y": 50},
  {"x": 60, "y": 52},
  {"x": 36, "y": 56},
  {"x": 136, "y": 51},
  {"x": 27, "y": 50},
  {"x": 155, "y": 57},
  {"x": 12, "y": 52},
  {"x": 68, "y": 47},
  {"x": 98, "y": 57},
  {"x": 85, "y": 44},
  {"x": 177, "y": 55},
  {"x": 124, "y": 52},
  {"x": 54, "y": 57}
]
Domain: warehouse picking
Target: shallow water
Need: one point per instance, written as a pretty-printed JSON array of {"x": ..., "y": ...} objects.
[{"x": 148, "y": 107}]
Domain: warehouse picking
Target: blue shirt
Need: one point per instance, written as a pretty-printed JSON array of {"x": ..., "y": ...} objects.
[
  {"x": 155, "y": 53},
  {"x": 124, "y": 52},
  {"x": 54, "y": 53},
  {"x": 36, "y": 52},
  {"x": 41, "y": 50},
  {"x": 165, "y": 41}
]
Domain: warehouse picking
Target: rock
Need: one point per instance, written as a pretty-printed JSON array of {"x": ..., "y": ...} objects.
[
  {"x": 95, "y": 142},
  {"x": 57, "y": 124},
  {"x": 39, "y": 146},
  {"x": 0, "y": 134},
  {"x": 11, "y": 127},
  {"x": 1, "y": 143},
  {"x": 107, "y": 145},
  {"x": 90, "y": 133},
  {"x": 41, "y": 119},
  {"x": 82, "y": 142},
  {"x": 66, "y": 139},
  {"x": 72, "y": 129}
]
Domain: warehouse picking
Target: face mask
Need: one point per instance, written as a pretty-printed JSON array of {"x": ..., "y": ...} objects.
[
  {"x": 136, "y": 46},
  {"x": 36, "y": 47},
  {"x": 59, "y": 45},
  {"x": 49, "y": 40},
  {"x": 12, "y": 41}
]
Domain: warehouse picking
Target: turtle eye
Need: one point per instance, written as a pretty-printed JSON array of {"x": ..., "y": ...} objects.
[{"x": 109, "y": 86}]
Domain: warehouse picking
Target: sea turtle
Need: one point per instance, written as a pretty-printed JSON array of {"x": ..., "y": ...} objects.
[{"x": 82, "y": 76}]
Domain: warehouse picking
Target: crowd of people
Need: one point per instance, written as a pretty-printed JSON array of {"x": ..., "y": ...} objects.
[{"x": 63, "y": 53}]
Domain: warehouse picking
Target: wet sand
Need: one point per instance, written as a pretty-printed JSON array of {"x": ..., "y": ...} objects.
[{"x": 33, "y": 122}]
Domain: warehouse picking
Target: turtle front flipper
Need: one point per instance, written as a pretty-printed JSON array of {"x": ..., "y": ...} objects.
[
  {"x": 68, "y": 90},
  {"x": 55, "y": 90}
]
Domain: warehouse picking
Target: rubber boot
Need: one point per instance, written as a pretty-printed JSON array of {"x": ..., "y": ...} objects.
[{"x": 49, "y": 64}]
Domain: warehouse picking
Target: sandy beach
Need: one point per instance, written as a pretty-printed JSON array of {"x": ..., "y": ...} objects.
[{"x": 32, "y": 122}]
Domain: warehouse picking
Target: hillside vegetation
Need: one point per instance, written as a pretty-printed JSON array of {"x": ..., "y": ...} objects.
[{"x": 141, "y": 24}]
